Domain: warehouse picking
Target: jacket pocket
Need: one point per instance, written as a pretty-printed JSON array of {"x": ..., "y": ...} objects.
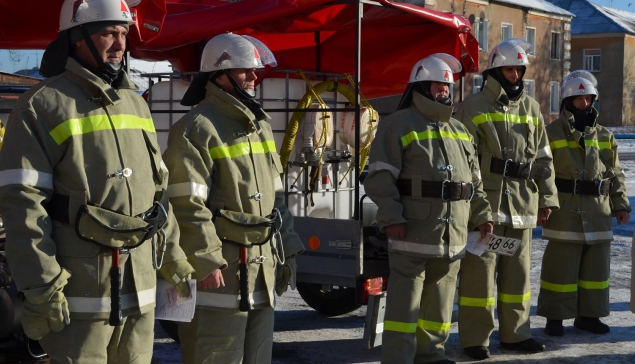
[
  {"x": 277, "y": 165},
  {"x": 415, "y": 209},
  {"x": 158, "y": 167}
]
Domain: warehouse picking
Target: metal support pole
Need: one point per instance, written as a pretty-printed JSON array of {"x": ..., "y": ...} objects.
[{"x": 358, "y": 43}]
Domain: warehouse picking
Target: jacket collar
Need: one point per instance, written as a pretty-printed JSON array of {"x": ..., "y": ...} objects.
[
  {"x": 232, "y": 107},
  {"x": 433, "y": 110},
  {"x": 494, "y": 89},
  {"x": 95, "y": 85},
  {"x": 567, "y": 117}
]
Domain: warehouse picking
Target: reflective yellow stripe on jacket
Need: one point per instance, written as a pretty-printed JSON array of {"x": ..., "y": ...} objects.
[
  {"x": 94, "y": 123},
  {"x": 563, "y": 143},
  {"x": 433, "y": 134},
  {"x": 499, "y": 116},
  {"x": 241, "y": 149}
]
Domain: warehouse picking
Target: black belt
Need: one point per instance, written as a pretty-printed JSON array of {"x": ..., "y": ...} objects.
[
  {"x": 57, "y": 209},
  {"x": 583, "y": 187},
  {"x": 446, "y": 190},
  {"x": 508, "y": 168}
]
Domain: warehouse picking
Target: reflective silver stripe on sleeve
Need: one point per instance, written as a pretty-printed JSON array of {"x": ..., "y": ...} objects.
[
  {"x": 477, "y": 174},
  {"x": 577, "y": 236},
  {"x": 187, "y": 189},
  {"x": 544, "y": 152},
  {"x": 620, "y": 173},
  {"x": 26, "y": 177},
  {"x": 381, "y": 166},
  {"x": 516, "y": 220},
  {"x": 406, "y": 246},
  {"x": 164, "y": 168},
  {"x": 102, "y": 304},
  {"x": 230, "y": 300}
]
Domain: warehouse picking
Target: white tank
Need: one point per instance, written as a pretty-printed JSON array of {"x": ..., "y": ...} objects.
[
  {"x": 346, "y": 126},
  {"x": 162, "y": 98}
]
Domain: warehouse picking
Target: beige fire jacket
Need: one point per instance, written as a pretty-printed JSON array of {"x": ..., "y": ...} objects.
[
  {"x": 220, "y": 157},
  {"x": 585, "y": 219},
  {"x": 422, "y": 142},
  {"x": 76, "y": 136},
  {"x": 512, "y": 130}
]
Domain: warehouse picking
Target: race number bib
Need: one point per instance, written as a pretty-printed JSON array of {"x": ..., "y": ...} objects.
[
  {"x": 491, "y": 243},
  {"x": 502, "y": 245}
]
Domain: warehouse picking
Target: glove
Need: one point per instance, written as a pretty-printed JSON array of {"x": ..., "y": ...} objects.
[
  {"x": 45, "y": 308},
  {"x": 40, "y": 319},
  {"x": 286, "y": 275},
  {"x": 176, "y": 273}
]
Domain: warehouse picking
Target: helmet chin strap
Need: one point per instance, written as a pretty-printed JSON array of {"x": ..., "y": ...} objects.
[
  {"x": 106, "y": 70},
  {"x": 248, "y": 98},
  {"x": 244, "y": 94}
]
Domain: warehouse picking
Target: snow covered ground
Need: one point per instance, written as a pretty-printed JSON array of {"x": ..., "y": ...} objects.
[{"x": 303, "y": 336}]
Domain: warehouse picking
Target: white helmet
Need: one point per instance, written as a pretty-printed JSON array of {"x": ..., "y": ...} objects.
[
  {"x": 511, "y": 52},
  {"x": 578, "y": 83},
  {"x": 77, "y": 12},
  {"x": 227, "y": 51},
  {"x": 438, "y": 67}
]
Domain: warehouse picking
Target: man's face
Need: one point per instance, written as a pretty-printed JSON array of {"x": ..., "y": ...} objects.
[
  {"x": 245, "y": 77},
  {"x": 512, "y": 74},
  {"x": 439, "y": 89},
  {"x": 110, "y": 43},
  {"x": 582, "y": 102}
]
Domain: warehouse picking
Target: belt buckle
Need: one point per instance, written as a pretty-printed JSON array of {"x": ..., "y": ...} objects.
[
  {"x": 471, "y": 192},
  {"x": 601, "y": 184},
  {"x": 443, "y": 190},
  {"x": 531, "y": 164},
  {"x": 505, "y": 169},
  {"x": 575, "y": 186}
]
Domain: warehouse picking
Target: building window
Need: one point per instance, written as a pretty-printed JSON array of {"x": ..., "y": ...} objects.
[
  {"x": 554, "y": 104},
  {"x": 531, "y": 38},
  {"x": 507, "y": 32},
  {"x": 480, "y": 29},
  {"x": 555, "y": 45},
  {"x": 530, "y": 87},
  {"x": 477, "y": 81},
  {"x": 592, "y": 60}
]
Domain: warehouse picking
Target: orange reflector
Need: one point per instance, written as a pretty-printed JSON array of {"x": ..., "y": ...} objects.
[
  {"x": 314, "y": 243},
  {"x": 374, "y": 285}
]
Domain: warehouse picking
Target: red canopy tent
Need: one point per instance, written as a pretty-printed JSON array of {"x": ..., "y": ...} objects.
[{"x": 312, "y": 35}]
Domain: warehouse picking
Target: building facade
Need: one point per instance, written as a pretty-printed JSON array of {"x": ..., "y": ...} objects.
[{"x": 603, "y": 42}]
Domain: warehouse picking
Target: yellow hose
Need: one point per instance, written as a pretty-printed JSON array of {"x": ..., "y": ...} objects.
[
  {"x": 1, "y": 134},
  {"x": 304, "y": 103}
]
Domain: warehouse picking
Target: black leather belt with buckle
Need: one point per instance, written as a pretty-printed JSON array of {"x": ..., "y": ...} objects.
[
  {"x": 584, "y": 187},
  {"x": 509, "y": 168},
  {"x": 445, "y": 190}
]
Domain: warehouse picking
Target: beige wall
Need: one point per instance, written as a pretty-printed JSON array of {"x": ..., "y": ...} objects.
[
  {"x": 610, "y": 77},
  {"x": 628, "y": 93},
  {"x": 542, "y": 70}
]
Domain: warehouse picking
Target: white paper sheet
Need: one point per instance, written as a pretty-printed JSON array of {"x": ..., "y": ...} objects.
[{"x": 172, "y": 307}]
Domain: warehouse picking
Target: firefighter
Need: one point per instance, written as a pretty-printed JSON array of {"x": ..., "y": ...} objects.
[
  {"x": 516, "y": 164},
  {"x": 424, "y": 178},
  {"x": 574, "y": 280},
  {"x": 227, "y": 194},
  {"x": 80, "y": 183}
]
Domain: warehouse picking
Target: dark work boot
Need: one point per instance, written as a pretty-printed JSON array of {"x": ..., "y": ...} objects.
[
  {"x": 444, "y": 361},
  {"x": 554, "y": 328},
  {"x": 527, "y": 346},
  {"x": 477, "y": 352},
  {"x": 591, "y": 324}
]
